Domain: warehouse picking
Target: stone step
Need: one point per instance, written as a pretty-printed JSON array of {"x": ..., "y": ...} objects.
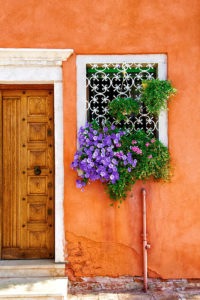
[
  {"x": 31, "y": 268},
  {"x": 41, "y": 288}
]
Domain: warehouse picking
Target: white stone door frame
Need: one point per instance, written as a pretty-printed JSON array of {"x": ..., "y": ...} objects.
[{"x": 43, "y": 66}]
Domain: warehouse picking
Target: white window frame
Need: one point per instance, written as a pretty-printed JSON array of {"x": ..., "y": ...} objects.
[
  {"x": 43, "y": 66},
  {"x": 83, "y": 60}
]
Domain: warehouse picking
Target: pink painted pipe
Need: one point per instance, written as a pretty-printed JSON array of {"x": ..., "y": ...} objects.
[{"x": 146, "y": 246}]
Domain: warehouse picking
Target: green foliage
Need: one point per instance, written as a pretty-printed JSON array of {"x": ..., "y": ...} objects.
[
  {"x": 118, "y": 191},
  {"x": 120, "y": 108},
  {"x": 155, "y": 94},
  {"x": 153, "y": 161}
]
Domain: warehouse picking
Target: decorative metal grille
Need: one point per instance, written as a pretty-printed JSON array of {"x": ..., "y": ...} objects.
[{"x": 107, "y": 81}]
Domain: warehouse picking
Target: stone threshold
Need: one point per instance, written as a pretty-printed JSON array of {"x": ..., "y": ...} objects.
[{"x": 31, "y": 268}]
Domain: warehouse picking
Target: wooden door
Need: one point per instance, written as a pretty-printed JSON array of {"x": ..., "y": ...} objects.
[{"x": 27, "y": 209}]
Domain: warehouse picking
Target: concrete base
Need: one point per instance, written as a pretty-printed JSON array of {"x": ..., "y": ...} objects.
[
  {"x": 33, "y": 288},
  {"x": 32, "y": 280}
]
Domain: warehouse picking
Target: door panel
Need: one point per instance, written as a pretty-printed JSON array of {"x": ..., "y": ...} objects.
[
  {"x": 28, "y": 174},
  {"x": 11, "y": 173}
]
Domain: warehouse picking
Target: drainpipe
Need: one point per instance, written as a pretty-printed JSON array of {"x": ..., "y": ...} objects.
[{"x": 146, "y": 246}]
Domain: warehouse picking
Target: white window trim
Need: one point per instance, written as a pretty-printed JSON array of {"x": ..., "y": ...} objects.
[
  {"x": 43, "y": 66},
  {"x": 83, "y": 60}
]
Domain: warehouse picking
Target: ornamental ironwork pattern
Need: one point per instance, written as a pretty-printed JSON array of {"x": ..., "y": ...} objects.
[{"x": 107, "y": 81}]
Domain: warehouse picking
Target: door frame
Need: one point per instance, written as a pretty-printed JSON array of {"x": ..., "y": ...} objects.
[{"x": 43, "y": 66}]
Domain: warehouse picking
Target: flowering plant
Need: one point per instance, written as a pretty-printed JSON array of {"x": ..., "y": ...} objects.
[{"x": 118, "y": 158}]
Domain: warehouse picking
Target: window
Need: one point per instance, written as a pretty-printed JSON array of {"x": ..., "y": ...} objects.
[{"x": 102, "y": 78}]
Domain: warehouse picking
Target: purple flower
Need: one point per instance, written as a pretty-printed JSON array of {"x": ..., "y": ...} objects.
[
  {"x": 99, "y": 145},
  {"x": 150, "y": 156},
  {"x": 134, "y": 163},
  {"x": 102, "y": 174},
  {"x": 105, "y": 129},
  {"x": 109, "y": 149},
  {"x": 96, "y": 153},
  {"x": 80, "y": 184},
  {"x": 100, "y": 137},
  {"x": 106, "y": 161},
  {"x": 112, "y": 177},
  {"x": 147, "y": 144},
  {"x": 107, "y": 141},
  {"x": 98, "y": 157},
  {"x": 114, "y": 161},
  {"x": 74, "y": 164}
]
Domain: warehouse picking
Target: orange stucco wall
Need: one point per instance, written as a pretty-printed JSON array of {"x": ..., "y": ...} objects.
[{"x": 101, "y": 240}]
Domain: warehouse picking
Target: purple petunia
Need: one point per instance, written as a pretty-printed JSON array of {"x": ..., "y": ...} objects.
[
  {"x": 99, "y": 155},
  {"x": 80, "y": 184}
]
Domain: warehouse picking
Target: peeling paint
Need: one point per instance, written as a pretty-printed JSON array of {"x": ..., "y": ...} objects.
[{"x": 95, "y": 258}]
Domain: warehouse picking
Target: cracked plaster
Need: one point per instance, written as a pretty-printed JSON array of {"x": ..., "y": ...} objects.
[{"x": 92, "y": 258}]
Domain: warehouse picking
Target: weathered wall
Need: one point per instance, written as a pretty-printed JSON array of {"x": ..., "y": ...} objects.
[{"x": 102, "y": 240}]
